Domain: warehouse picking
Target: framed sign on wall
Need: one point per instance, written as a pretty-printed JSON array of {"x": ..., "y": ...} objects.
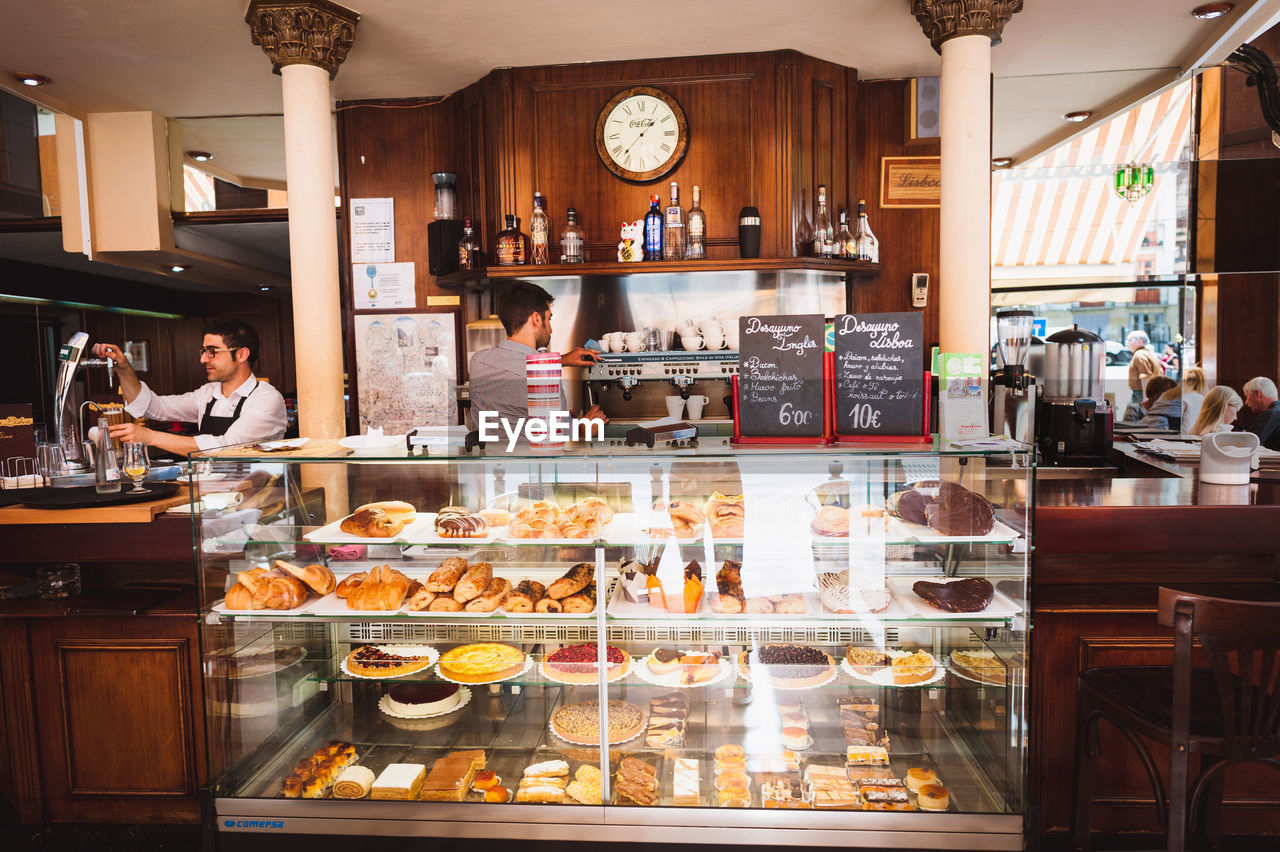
[{"x": 910, "y": 181}]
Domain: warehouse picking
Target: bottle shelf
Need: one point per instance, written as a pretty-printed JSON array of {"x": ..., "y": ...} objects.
[{"x": 860, "y": 269}]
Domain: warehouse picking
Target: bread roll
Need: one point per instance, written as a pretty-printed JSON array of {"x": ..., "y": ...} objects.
[
  {"x": 492, "y": 597},
  {"x": 420, "y": 600},
  {"x": 374, "y": 523},
  {"x": 444, "y": 578},
  {"x": 395, "y": 508},
  {"x": 445, "y": 603},
  {"x": 475, "y": 581},
  {"x": 583, "y": 601},
  {"x": 349, "y": 582},
  {"x": 525, "y": 596},
  {"x": 239, "y": 597},
  {"x": 319, "y": 578},
  {"x": 573, "y": 581},
  {"x": 548, "y": 605}
]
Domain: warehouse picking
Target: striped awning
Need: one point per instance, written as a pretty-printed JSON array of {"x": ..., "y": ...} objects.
[{"x": 1062, "y": 208}]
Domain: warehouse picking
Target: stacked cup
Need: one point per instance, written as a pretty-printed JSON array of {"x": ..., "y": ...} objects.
[{"x": 542, "y": 375}]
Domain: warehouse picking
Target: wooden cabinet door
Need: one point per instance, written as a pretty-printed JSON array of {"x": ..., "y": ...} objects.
[{"x": 119, "y": 717}]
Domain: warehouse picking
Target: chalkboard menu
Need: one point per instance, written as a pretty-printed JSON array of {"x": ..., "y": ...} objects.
[
  {"x": 879, "y": 374},
  {"x": 780, "y": 387}
]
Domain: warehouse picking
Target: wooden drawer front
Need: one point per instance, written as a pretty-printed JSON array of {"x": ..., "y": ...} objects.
[{"x": 125, "y": 716}]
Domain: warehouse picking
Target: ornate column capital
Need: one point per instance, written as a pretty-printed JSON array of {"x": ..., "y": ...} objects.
[
  {"x": 302, "y": 32},
  {"x": 946, "y": 19}
]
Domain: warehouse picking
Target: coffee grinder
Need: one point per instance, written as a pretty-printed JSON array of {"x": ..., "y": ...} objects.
[
  {"x": 1013, "y": 388},
  {"x": 1074, "y": 420}
]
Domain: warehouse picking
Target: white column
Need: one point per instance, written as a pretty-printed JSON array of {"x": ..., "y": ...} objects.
[
  {"x": 964, "y": 286},
  {"x": 313, "y": 250}
]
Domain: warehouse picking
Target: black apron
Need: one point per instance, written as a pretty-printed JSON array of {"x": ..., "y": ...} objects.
[{"x": 210, "y": 425}]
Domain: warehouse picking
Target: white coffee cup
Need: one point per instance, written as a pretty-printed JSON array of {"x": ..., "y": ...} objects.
[
  {"x": 713, "y": 339},
  {"x": 695, "y": 404},
  {"x": 635, "y": 341},
  {"x": 685, "y": 328},
  {"x": 711, "y": 326},
  {"x": 617, "y": 341},
  {"x": 731, "y": 335},
  {"x": 691, "y": 343},
  {"x": 675, "y": 407}
]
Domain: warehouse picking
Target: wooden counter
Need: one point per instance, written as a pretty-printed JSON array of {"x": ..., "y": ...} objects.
[{"x": 1103, "y": 546}]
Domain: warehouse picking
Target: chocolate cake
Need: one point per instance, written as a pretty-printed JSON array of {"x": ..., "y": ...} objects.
[
  {"x": 945, "y": 507},
  {"x": 972, "y": 594}
]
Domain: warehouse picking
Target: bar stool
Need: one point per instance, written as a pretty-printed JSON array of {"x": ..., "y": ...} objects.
[{"x": 1227, "y": 713}]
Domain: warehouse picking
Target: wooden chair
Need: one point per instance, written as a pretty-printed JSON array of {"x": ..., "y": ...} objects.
[{"x": 1227, "y": 713}]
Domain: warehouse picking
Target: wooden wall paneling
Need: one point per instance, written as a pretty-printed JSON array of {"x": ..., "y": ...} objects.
[
  {"x": 732, "y": 153},
  {"x": 909, "y": 238},
  {"x": 121, "y": 723},
  {"x": 820, "y": 138},
  {"x": 20, "y": 770}
]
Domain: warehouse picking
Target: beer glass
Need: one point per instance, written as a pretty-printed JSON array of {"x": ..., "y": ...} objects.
[{"x": 136, "y": 465}]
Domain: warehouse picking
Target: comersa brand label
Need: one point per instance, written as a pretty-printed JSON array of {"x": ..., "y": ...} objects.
[{"x": 259, "y": 824}]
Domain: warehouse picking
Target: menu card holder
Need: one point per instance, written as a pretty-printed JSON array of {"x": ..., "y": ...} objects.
[
  {"x": 925, "y": 437},
  {"x": 790, "y": 440}
]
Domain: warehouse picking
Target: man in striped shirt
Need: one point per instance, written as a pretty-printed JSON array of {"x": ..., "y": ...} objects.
[{"x": 498, "y": 374}]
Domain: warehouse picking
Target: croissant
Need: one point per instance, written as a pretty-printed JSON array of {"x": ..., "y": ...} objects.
[
  {"x": 349, "y": 584},
  {"x": 318, "y": 577},
  {"x": 374, "y": 523},
  {"x": 239, "y": 597},
  {"x": 383, "y": 590},
  {"x": 282, "y": 591},
  {"x": 255, "y": 580}
]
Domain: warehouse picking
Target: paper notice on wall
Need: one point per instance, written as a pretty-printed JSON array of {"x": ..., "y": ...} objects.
[
  {"x": 373, "y": 230},
  {"x": 383, "y": 285},
  {"x": 963, "y": 413}
]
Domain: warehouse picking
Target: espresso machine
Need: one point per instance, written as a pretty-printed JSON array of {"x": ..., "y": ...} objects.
[
  {"x": 1074, "y": 420},
  {"x": 1013, "y": 387},
  {"x": 633, "y": 386}
]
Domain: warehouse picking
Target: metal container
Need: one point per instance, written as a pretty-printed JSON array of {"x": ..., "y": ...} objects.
[
  {"x": 1073, "y": 366},
  {"x": 483, "y": 334}
]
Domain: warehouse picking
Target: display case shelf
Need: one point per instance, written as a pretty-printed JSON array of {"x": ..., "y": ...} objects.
[{"x": 478, "y": 277}]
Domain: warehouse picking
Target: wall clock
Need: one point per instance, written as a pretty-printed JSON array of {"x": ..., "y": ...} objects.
[{"x": 641, "y": 134}]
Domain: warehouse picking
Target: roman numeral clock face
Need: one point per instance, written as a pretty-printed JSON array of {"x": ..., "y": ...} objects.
[{"x": 641, "y": 134}]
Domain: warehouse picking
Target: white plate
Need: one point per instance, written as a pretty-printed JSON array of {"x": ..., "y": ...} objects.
[
  {"x": 643, "y": 728},
  {"x": 542, "y": 669},
  {"x": 775, "y": 685},
  {"x": 620, "y": 607},
  {"x": 464, "y": 697},
  {"x": 671, "y": 679},
  {"x": 1000, "y": 606},
  {"x": 628, "y": 528},
  {"x": 421, "y": 530},
  {"x": 960, "y": 673},
  {"x": 904, "y": 531},
  {"x": 884, "y": 677},
  {"x": 528, "y": 664},
  {"x": 426, "y": 650},
  {"x": 306, "y": 606}
]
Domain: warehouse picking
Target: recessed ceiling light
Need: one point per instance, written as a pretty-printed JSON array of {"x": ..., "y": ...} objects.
[
  {"x": 1077, "y": 116},
  {"x": 178, "y": 267},
  {"x": 1209, "y": 11},
  {"x": 1002, "y": 162},
  {"x": 28, "y": 79},
  {"x": 200, "y": 156}
]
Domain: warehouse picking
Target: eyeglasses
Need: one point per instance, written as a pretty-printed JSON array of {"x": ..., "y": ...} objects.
[{"x": 212, "y": 351}]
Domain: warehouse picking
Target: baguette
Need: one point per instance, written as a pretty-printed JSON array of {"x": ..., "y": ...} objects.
[
  {"x": 473, "y": 583},
  {"x": 583, "y": 601},
  {"x": 318, "y": 577},
  {"x": 492, "y": 597},
  {"x": 573, "y": 581},
  {"x": 525, "y": 596},
  {"x": 444, "y": 578}
]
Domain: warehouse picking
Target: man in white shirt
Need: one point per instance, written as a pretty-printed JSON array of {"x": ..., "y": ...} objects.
[{"x": 233, "y": 408}]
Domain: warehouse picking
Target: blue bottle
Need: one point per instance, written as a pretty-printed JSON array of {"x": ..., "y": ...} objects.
[{"x": 653, "y": 231}]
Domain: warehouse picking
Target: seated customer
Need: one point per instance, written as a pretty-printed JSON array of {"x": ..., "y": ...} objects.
[
  {"x": 1193, "y": 382},
  {"x": 1260, "y": 396},
  {"x": 1218, "y": 412},
  {"x": 1155, "y": 388},
  {"x": 1165, "y": 410}
]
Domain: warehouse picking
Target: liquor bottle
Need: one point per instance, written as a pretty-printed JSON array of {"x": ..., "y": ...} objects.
[
  {"x": 512, "y": 248},
  {"x": 824, "y": 237},
  {"x": 571, "y": 239},
  {"x": 470, "y": 255},
  {"x": 804, "y": 234},
  {"x": 673, "y": 242},
  {"x": 868, "y": 247},
  {"x": 845, "y": 246},
  {"x": 653, "y": 231},
  {"x": 106, "y": 469},
  {"x": 697, "y": 244},
  {"x": 540, "y": 232}
]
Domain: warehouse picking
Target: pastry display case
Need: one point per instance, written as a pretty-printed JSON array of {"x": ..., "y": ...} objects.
[{"x": 706, "y": 643}]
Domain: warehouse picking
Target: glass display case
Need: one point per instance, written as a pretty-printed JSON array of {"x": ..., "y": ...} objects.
[{"x": 710, "y": 644}]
